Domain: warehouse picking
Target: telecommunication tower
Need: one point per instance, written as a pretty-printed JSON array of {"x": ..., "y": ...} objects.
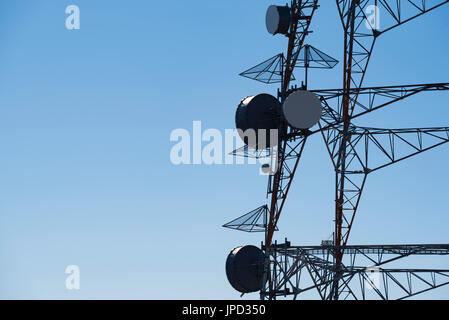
[{"x": 335, "y": 269}]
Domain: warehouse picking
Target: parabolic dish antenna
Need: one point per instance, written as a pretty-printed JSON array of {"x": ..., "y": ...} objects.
[
  {"x": 260, "y": 113},
  {"x": 278, "y": 19},
  {"x": 244, "y": 268},
  {"x": 302, "y": 109}
]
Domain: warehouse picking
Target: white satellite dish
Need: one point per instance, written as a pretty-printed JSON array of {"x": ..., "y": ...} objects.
[{"x": 302, "y": 109}]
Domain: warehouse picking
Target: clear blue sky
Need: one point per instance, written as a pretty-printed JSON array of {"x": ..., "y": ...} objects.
[{"x": 85, "y": 121}]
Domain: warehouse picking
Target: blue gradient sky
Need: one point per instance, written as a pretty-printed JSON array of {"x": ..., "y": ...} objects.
[{"x": 85, "y": 121}]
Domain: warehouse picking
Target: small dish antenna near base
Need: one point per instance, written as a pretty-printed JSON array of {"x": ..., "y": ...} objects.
[{"x": 244, "y": 268}]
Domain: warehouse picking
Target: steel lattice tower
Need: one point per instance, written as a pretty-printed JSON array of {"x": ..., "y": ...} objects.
[{"x": 337, "y": 270}]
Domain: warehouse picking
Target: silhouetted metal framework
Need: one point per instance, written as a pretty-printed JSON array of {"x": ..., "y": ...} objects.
[
  {"x": 358, "y": 48},
  {"x": 364, "y": 273},
  {"x": 355, "y": 152}
]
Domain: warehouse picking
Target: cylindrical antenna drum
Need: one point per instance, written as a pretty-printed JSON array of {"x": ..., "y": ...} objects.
[
  {"x": 244, "y": 268},
  {"x": 255, "y": 117},
  {"x": 278, "y": 19}
]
